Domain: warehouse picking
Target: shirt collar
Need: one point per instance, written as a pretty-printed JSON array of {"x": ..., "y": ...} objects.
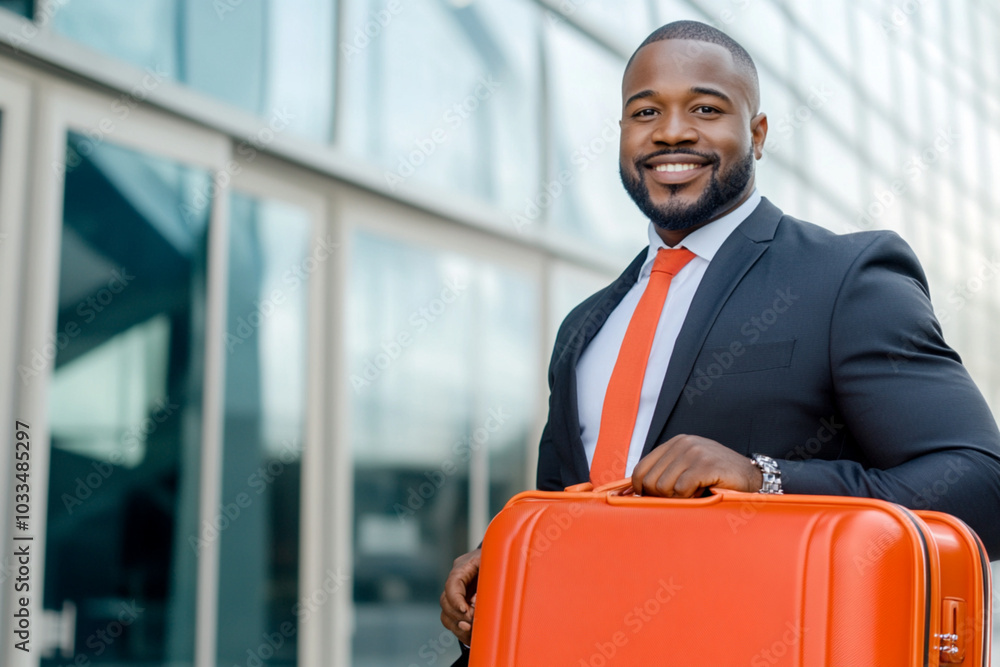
[{"x": 704, "y": 241}]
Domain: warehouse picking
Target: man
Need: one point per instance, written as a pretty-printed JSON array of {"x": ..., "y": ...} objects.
[{"x": 785, "y": 357}]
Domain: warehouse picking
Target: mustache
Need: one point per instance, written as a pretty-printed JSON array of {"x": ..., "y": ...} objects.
[{"x": 712, "y": 159}]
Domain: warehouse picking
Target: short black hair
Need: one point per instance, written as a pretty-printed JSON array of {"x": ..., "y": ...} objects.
[{"x": 702, "y": 32}]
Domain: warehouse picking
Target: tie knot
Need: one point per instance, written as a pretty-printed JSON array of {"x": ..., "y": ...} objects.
[{"x": 671, "y": 260}]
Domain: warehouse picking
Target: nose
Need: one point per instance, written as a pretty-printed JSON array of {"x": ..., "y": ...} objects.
[{"x": 674, "y": 128}]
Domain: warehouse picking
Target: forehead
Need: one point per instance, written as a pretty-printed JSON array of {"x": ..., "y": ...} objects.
[{"x": 677, "y": 65}]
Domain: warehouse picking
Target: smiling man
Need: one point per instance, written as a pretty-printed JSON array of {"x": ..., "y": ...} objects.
[{"x": 746, "y": 349}]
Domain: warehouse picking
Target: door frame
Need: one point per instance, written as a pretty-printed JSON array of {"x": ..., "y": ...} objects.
[{"x": 61, "y": 107}]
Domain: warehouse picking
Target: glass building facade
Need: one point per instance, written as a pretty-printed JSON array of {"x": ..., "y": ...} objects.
[{"x": 280, "y": 279}]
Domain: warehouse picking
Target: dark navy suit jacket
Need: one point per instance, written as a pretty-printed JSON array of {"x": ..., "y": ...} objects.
[{"x": 819, "y": 350}]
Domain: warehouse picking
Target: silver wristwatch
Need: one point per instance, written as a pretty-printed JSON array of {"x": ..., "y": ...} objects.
[{"x": 770, "y": 471}]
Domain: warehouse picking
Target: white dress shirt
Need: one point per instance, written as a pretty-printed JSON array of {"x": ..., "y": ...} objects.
[{"x": 593, "y": 370}]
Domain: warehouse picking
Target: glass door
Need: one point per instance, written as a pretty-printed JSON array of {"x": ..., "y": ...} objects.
[
  {"x": 125, "y": 405},
  {"x": 116, "y": 375}
]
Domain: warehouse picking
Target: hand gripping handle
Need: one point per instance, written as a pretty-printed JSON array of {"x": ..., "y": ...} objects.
[{"x": 623, "y": 487}]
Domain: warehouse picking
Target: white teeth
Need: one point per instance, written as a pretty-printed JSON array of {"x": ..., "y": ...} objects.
[{"x": 675, "y": 167}]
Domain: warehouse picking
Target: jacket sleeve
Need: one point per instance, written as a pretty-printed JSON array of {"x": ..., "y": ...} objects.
[
  {"x": 927, "y": 434},
  {"x": 548, "y": 476},
  {"x": 549, "y": 471}
]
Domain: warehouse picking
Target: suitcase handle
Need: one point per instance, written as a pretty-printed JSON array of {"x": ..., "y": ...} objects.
[{"x": 623, "y": 487}]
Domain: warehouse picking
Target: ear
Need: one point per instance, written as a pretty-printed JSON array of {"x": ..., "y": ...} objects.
[{"x": 758, "y": 133}]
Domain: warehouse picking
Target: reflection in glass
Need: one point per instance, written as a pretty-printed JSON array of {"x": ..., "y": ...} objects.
[
  {"x": 274, "y": 60},
  {"x": 446, "y": 93},
  {"x": 263, "y": 430},
  {"x": 125, "y": 408},
  {"x": 443, "y": 365},
  {"x": 22, "y": 7}
]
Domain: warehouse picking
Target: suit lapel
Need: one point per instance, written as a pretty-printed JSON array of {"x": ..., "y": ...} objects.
[
  {"x": 580, "y": 333},
  {"x": 736, "y": 256}
]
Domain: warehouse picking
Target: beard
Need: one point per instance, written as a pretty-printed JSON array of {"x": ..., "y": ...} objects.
[{"x": 723, "y": 189}]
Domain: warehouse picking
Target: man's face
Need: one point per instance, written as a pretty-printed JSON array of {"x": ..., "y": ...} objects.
[{"x": 690, "y": 133}]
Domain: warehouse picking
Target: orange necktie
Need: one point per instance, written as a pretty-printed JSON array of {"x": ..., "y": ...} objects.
[{"x": 621, "y": 401}]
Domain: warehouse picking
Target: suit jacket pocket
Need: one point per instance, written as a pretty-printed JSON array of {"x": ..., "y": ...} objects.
[{"x": 740, "y": 358}]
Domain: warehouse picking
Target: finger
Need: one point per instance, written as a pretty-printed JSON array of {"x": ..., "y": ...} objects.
[
  {"x": 464, "y": 633},
  {"x": 456, "y": 588},
  {"x": 659, "y": 479},
  {"x": 690, "y": 482},
  {"x": 449, "y": 611},
  {"x": 650, "y": 466},
  {"x": 461, "y": 586},
  {"x": 661, "y": 450},
  {"x": 454, "y": 613},
  {"x": 461, "y": 629},
  {"x": 663, "y": 478}
]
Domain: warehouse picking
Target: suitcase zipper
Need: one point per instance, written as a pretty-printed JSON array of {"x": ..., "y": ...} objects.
[
  {"x": 927, "y": 586},
  {"x": 984, "y": 564}
]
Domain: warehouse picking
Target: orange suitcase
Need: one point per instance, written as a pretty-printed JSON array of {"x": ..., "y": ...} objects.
[{"x": 597, "y": 578}]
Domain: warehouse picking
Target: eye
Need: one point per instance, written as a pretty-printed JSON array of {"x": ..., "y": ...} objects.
[
  {"x": 643, "y": 113},
  {"x": 705, "y": 109}
]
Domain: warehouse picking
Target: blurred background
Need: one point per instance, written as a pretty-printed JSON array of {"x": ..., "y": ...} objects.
[{"x": 279, "y": 280}]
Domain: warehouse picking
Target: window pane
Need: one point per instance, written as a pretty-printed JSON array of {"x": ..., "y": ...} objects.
[
  {"x": 443, "y": 369},
  {"x": 585, "y": 85},
  {"x": 124, "y": 407},
  {"x": 677, "y": 10},
  {"x": 829, "y": 161},
  {"x": 828, "y": 22},
  {"x": 263, "y": 430},
  {"x": 249, "y": 54},
  {"x": 447, "y": 93},
  {"x": 824, "y": 91},
  {"x": 568, "y": 287},
  {"x": 408, "y": 350},
  {"x": 510, "y": 371},
  {"x": 762, "y": 29},
  {"x": 874, "y": 72},
  {"x": 628, "y": 21}
]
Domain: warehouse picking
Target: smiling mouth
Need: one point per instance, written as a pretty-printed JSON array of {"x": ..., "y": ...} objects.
[{"x": 676, "y": 167}]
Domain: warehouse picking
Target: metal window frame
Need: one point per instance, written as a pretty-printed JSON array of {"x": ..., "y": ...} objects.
[
  {"x": 62, "y": 107},
  {"x": 60, "y": 54}
]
